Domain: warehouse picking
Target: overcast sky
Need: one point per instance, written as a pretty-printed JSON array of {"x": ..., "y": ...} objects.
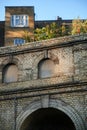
[{"x": 50, "y": 9}]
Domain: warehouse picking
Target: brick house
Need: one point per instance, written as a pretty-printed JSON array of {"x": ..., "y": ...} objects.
[{"x": 20, "y": 19}]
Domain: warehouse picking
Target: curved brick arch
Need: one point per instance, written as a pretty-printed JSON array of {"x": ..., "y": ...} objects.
[
  {"x": 10, "y": 73},
  {"x": 54, "y": 103},
  {"x": 36, "y": 61},
  {"x": 10, "y": 60},
  {"x": 43, "y": 55}
]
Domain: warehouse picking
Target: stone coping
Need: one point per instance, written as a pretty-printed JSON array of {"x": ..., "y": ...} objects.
[
  {"x": 39, "y": 84},
  {"x": 28, "y": 47}
]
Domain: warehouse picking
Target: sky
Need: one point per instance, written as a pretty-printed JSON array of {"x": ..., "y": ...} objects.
[{"x": 50, "y": 9}]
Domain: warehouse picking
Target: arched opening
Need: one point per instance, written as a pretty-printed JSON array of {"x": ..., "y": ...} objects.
[
  {"x": 10, "y": 73},
  {"x": 47, "y": 119},
  {"x": 46, "y": 68}
]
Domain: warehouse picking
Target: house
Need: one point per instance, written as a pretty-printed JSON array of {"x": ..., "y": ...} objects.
[{"x": 19, "y": 19}]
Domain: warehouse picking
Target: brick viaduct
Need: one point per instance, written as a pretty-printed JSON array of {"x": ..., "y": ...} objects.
[{"x": 49, "y": 87}]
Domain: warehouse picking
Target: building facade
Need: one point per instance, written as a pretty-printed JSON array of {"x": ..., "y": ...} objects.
[
  {"x": 20, "y": 20},
  {"x": 43, "y": 84}
]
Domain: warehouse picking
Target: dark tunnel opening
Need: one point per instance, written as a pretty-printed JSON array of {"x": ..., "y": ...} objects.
[{"x": 48, "y": 119}]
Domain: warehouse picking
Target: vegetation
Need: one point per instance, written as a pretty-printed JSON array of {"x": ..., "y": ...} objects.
[
  {"x": 53, "y": 30},
  {"x": 26, "y": 36},
  {"x": 79, "y": 26},
  {"x": 50, "y": 31}
]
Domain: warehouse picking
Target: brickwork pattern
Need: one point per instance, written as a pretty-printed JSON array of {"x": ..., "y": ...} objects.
[
  {"x": 69, "y": 85},
  {"x": 17, "y": 32}
]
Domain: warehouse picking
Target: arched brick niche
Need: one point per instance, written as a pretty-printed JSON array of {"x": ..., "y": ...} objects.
[
  {"x": 9, "y": 73},
  {"x": 51, "y": 103},
  {"x": 46, "y": 68}
]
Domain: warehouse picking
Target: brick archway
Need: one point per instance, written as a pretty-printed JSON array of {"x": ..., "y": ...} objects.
[{"x": 53, "y": 103}]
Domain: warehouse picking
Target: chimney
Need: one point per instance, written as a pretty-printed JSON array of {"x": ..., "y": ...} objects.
[{"x": 59, "y": 18}]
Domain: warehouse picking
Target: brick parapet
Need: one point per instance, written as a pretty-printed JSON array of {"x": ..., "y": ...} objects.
[{"x": 34, "y": 46}]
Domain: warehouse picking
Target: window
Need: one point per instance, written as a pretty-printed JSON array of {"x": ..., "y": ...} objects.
[
  {"x": 10, "y": 73},
  {"x": 19, "y": 21},
  {"x": 19, "y": 41}
]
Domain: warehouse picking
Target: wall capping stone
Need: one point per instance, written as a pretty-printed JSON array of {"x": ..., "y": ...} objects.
[{"x": 65, "y": 41}]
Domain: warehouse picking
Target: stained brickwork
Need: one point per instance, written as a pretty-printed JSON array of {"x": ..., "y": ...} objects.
[{"x": 65, "y": 91}]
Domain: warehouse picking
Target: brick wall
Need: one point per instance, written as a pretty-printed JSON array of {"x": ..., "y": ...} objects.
[
  {"x": 67, "y": 87},
  {"x": 17, "y": 32}
]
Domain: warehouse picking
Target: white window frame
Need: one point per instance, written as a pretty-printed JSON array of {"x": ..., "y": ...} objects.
[
  {"x": 19, "y": 21},
  {"x": 19, "y": 41}
]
